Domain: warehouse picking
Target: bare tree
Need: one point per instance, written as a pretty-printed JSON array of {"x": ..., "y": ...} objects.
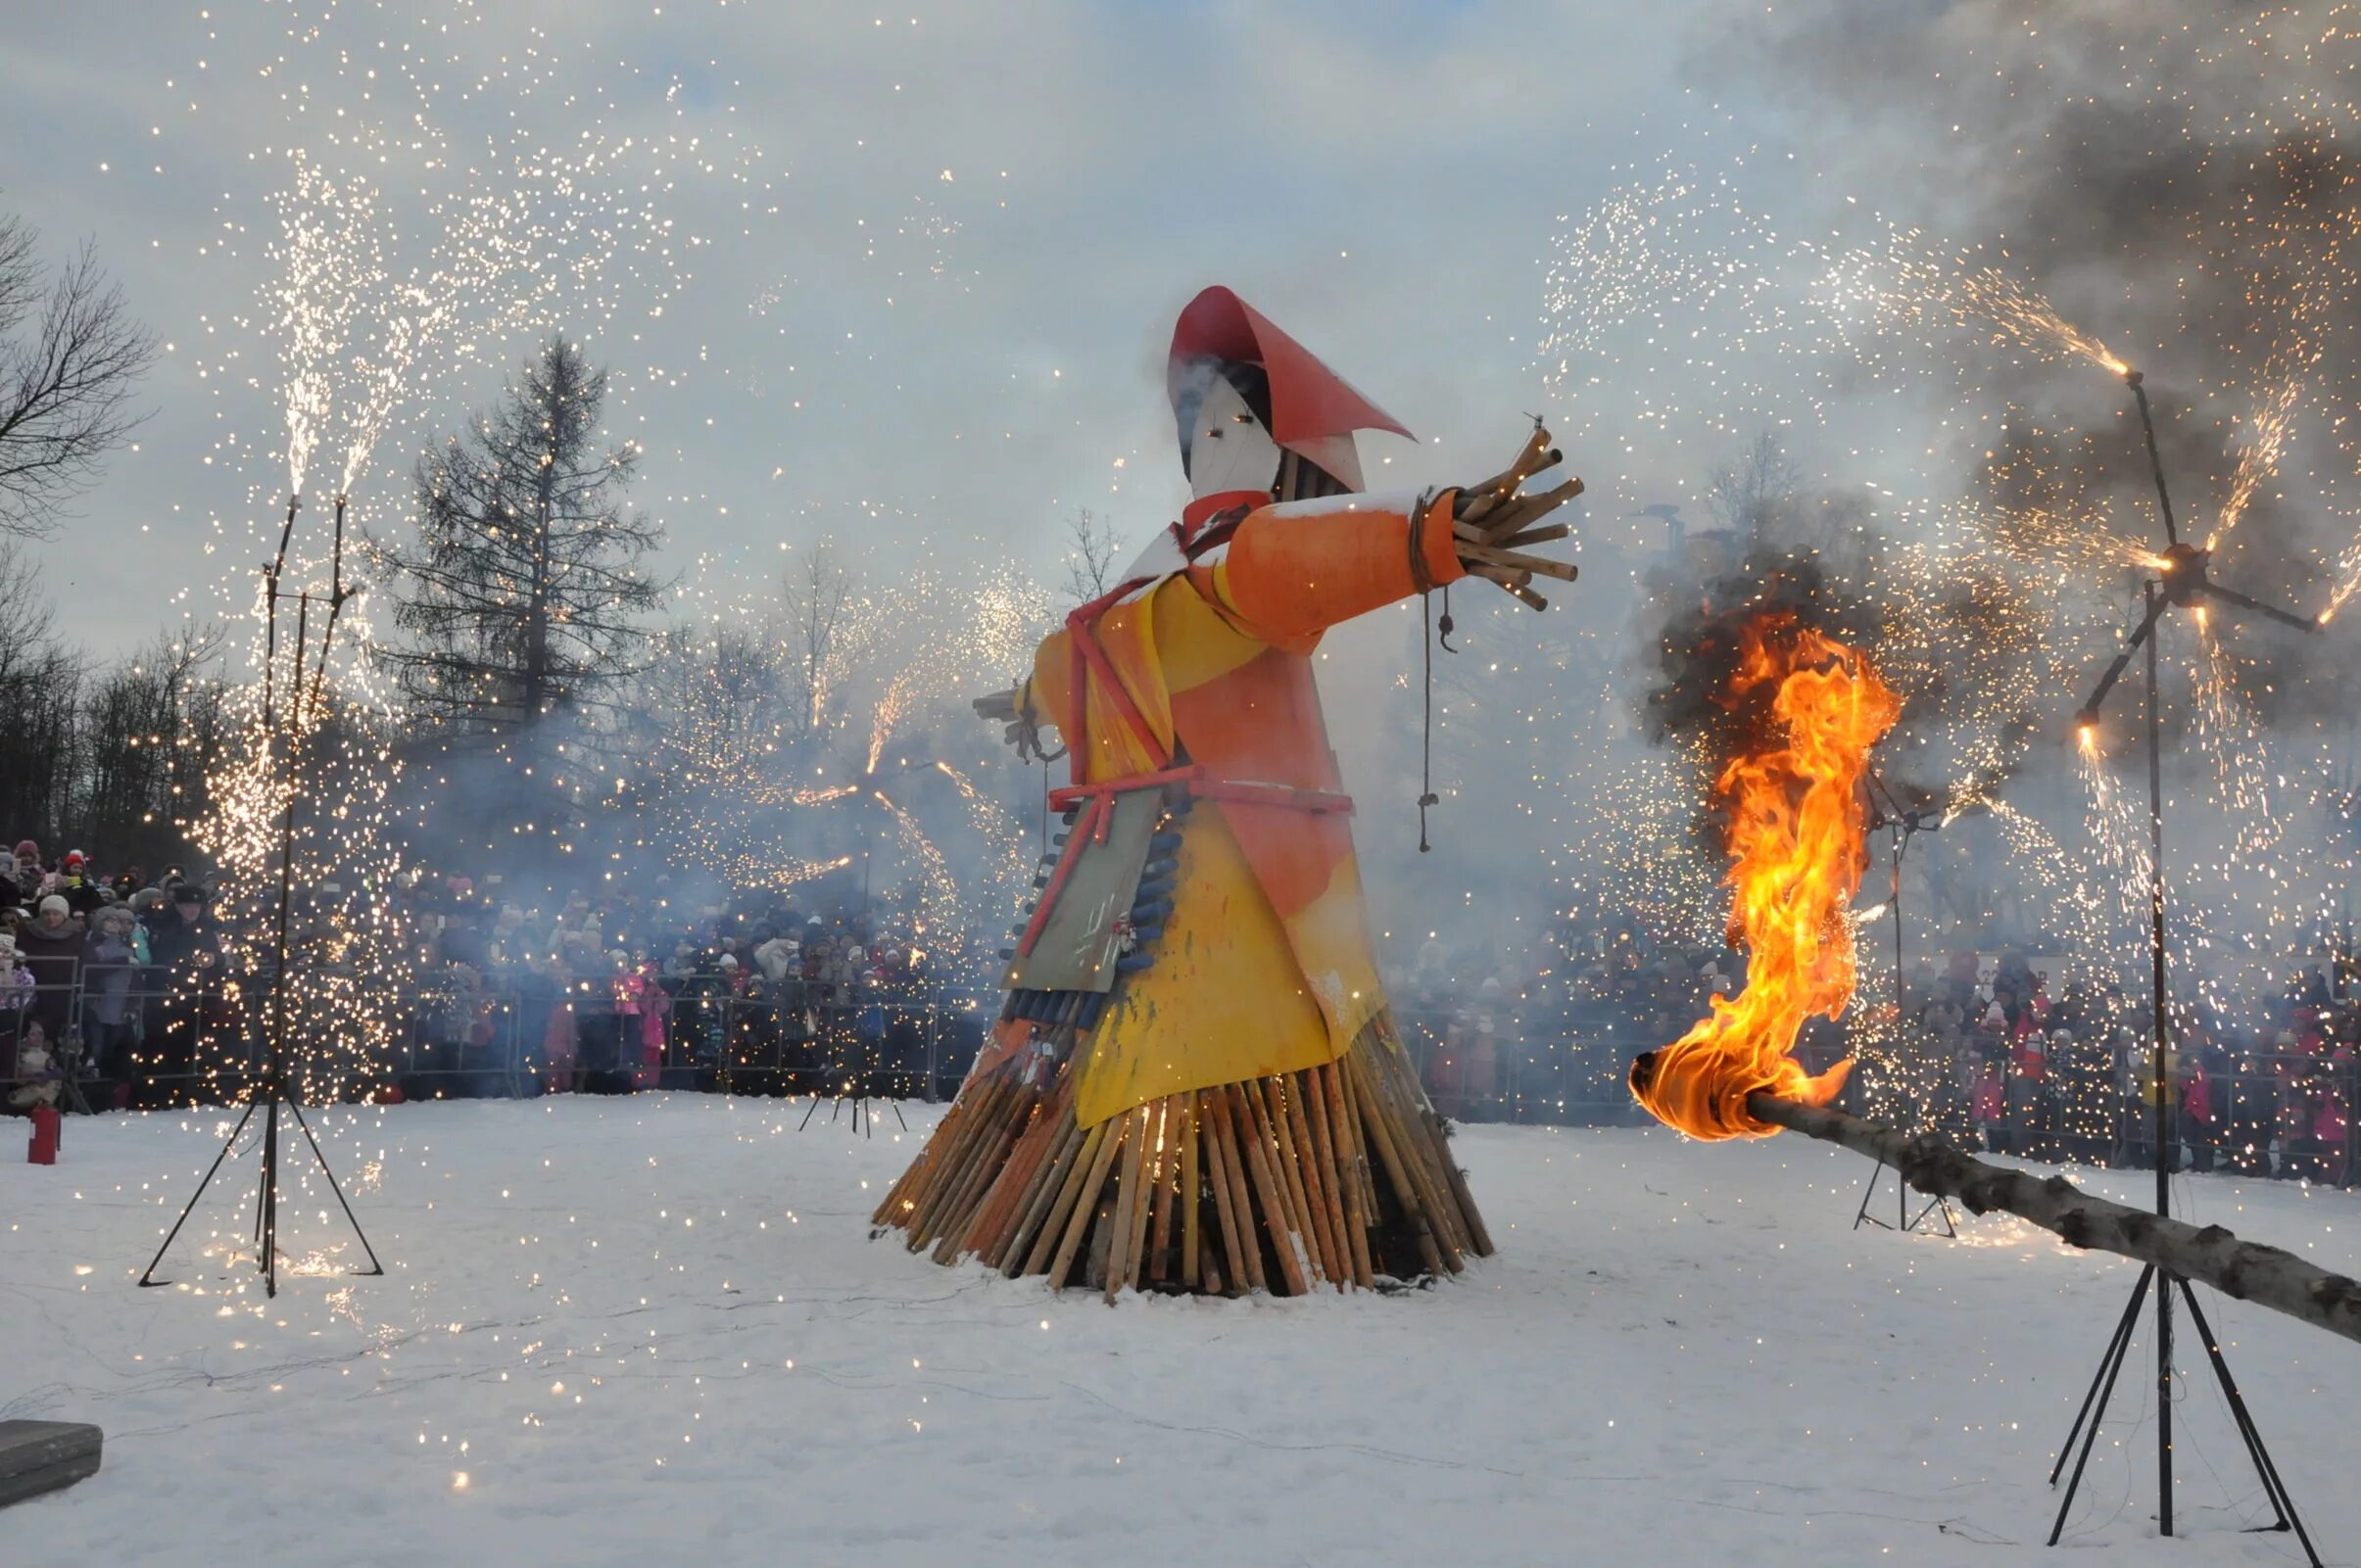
[
  {"x": 815, "y": 611},
  {"x": 1090, "y": 557},
  {"x": 524, "y": 590},
  {"x": 1746, "y": 496},
  {"x": 150, "y": 734},
  {"x": 70, "y": 353}
]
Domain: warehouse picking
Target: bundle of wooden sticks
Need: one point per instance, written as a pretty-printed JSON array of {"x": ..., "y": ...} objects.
[
  {"x": 1337, "y": 1176},
  {"x": 1495, "y": 524}
]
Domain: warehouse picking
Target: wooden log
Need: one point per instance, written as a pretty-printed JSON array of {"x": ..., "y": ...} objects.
[
  {"x": 958, "y": 1150},
  {"x": 900, "y": 1198},
  {"x": 1446, "y": 1187},
  {"x": 1510, "y": 582},
  {"x": 1359, "y": 1136},
  {"x": 1483, "y": 498},
  {"x": 1168, "y": 1180},
  {"x": 1335, "y": 1173},
  {"x": 1271, "y": 1134},
  {"x": 1193, "y": 1196},
  {"x": 1153, "y": 1160},
  {"x": 2243, "y": 1270},
  {"x": 1546, "y": 534},
  {"x": 983, "y": 1145},
  {"x": 1010, "y": 1256},
  {"x": 1314, "y": 1117},
  {"x": 1229, "y": 1190},
  {"x": 1043, "y": 1248},
  {"x": 1335, "y": 1260},
  {"x": 1084, "y": 1205},
  {"x": 1100, "y": 1246},
  {"x": 1478, "y": 1237},
  {"x": 1518, "y": 561},
  {"x": 988, "y": 1161},
  {"x": 1353, "y": 1172},
  {"x": 1519, "y": 513},
  {"x": 1116, "y": 1267},
  {"x": 1397, "y": 1171},
  {"x": 1406, "y": 1111},
  {"x": 1271, "y": 1191},
  {"x": 1011, "y": 1193}
]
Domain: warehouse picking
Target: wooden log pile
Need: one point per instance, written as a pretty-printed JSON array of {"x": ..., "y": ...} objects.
[
  {"x": 2243, "y": 1270},
  {"x": 1333, "y": 1178}
]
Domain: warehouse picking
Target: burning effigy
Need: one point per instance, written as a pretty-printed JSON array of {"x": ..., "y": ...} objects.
[{"x": 1194, "y": 1083}]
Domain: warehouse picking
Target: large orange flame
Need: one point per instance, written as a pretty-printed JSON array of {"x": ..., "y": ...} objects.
[{"x": 1797, "y": 842}]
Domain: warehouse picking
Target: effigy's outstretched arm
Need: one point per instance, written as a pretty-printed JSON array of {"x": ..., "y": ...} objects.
[{"x": 1297, "y": 568}]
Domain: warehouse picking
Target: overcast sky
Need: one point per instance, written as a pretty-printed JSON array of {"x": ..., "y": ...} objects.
[{"x": 920, "y": 267}]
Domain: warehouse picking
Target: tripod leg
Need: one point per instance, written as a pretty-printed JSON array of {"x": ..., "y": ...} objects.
[
  {"x": 1860, "y": 1215},
  {"x": 375, "y": 1267},
  {"x": 1935, "y": 1206},
  {"x": 2274, "y": 1488},
  {"x": 898, "y": 1116},
  {"x": 810, "y": 1111},
  {"x": 2164, "y": 1400},
  {"x": 2116, "y": 1355},
  {"x": 148, "y": 1276},
  {"x": 2114, "y": 1351},
  {"x": 271, "y": 1198}
]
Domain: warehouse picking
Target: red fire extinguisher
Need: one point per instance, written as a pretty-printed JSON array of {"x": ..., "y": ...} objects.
[{"x": 46, "y": 1122}]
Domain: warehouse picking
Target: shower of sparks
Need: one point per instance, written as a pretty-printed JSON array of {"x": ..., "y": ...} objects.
[
  {"x": 1680, "y": 318},
  {"x": 788, "y": 754},
  {"x": 407, "y": 256}
]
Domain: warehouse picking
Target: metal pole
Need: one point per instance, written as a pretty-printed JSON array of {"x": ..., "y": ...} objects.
[
  {"x": 275, "y": 1072},
  {"x": 2155, "y": 460},
  {"x": 2160, "y": 1087}
]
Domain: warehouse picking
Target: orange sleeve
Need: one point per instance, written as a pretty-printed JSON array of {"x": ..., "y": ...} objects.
[{"x": 1297, "y": 568}]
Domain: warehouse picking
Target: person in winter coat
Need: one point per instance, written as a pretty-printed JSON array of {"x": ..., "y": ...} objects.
[
  {"x": 1990, "y": 1109},
  {"x": 183, "y": 945},
  {"x": 110, "y": 1022},
  {"x": 27, "y": 873},
  {"x": 74, "y": 883},
  {"x": 35, "y": 1079},
  {"x": 52, "y": 948},
  {"x": 15, "y": 1000}
]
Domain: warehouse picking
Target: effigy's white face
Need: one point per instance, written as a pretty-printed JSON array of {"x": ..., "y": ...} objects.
[{"x": 1229, "y": 450}]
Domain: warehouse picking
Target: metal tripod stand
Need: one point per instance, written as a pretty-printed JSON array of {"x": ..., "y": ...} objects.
[
  {"x": 1904, "y": 823},
  {"x": 2185, "y": 581},
  {"x": 276, "y": 1087}
]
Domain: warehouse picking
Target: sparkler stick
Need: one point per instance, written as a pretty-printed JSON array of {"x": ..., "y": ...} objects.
[{"x": 337, "y": 594}]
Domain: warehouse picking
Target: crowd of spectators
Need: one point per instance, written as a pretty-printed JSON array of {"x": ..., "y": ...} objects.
[
  {"x": 2071, "y": 1076},
  {"x": 112, "y": 983},
  {"x": 752, "y": 990},
  {"x": 103, "y": 978},
  {"x": 1989, "y": 1053},
  {"x": 121, "y": 990}
]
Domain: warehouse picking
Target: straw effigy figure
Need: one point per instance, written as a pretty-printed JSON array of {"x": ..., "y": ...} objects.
[{"x": 1194, "y": 1083}]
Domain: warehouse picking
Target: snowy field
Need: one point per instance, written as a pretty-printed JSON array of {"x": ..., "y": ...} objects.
[{"x": 653, "y": 1330}]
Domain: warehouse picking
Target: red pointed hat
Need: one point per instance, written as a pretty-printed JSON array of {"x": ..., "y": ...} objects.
[{"x": 1308, "y": 401}]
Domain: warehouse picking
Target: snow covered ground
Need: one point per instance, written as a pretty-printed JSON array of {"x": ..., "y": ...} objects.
[{"x": 654, "y": 1329}]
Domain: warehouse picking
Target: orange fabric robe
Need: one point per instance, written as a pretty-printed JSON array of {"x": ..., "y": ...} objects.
[{"x": 1266, "y": 964}]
